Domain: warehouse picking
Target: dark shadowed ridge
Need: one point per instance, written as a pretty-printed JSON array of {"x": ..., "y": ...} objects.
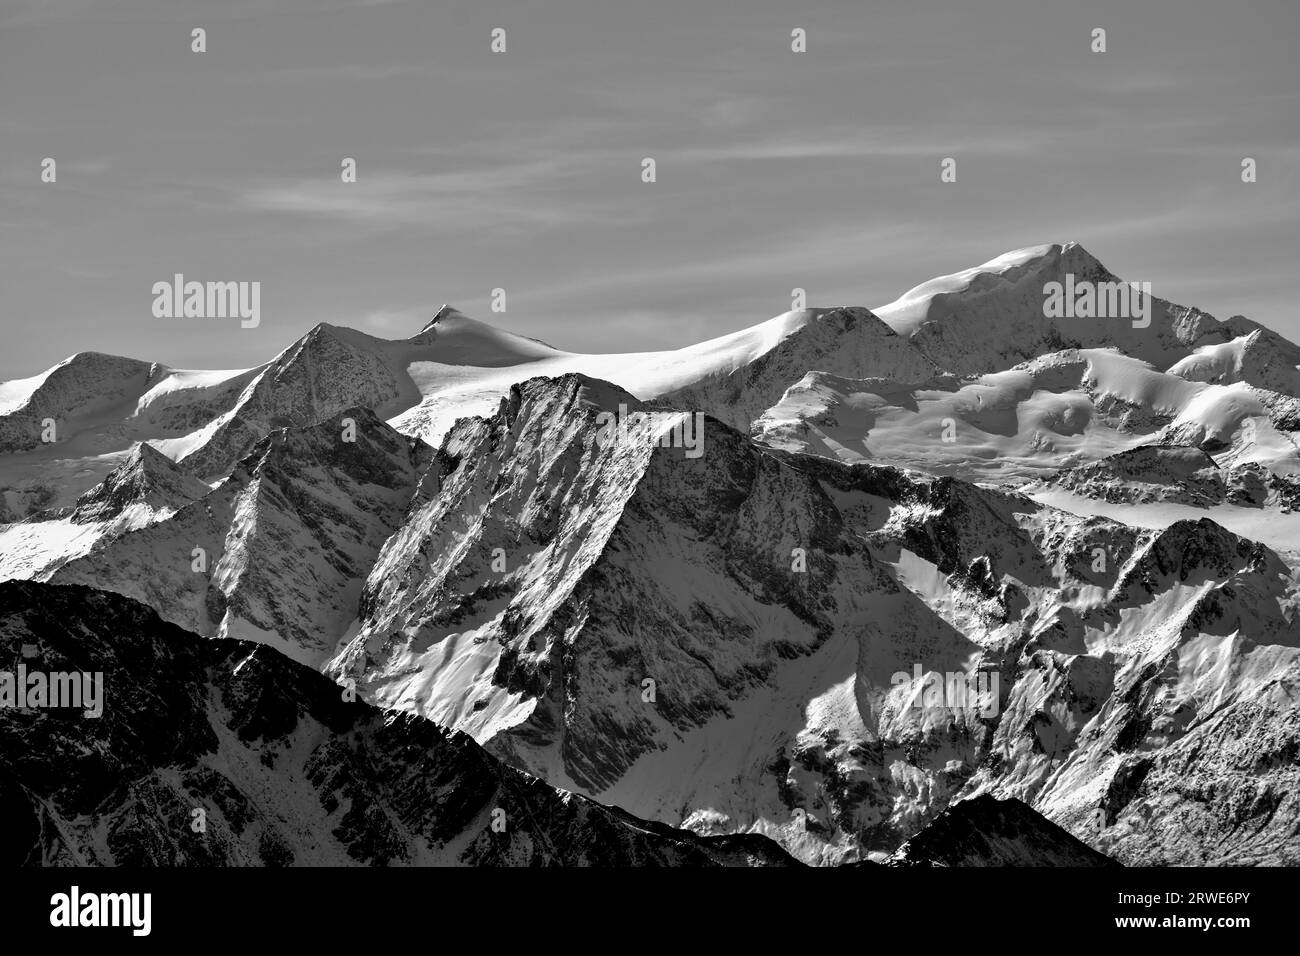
[
  {"x": 283, "y": 768},
  {"x": 985, "y": 831}
]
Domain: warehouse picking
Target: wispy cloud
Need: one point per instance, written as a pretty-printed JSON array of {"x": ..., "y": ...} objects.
[
  {"x": 549, "y": 190},
  {"x": 518, "y": 195},
  {"x": 875, "y": 142}
]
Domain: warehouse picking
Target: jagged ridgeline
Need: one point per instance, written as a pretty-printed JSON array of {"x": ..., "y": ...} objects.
[
  {"x": 735, "y": 588},
  {"x": 226, "y": 753}
]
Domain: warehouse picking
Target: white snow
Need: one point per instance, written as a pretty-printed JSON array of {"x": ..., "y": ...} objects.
[
  {"x": 16, "y": 393},
  {"x": 31, "y": 550},
  {"x": 910, "y": 310},
  {"x": 472, "y": 387},
  {"x": 1209, "y": 362}
]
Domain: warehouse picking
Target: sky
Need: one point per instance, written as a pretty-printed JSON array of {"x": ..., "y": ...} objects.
[{"x": 522, "y": 170}]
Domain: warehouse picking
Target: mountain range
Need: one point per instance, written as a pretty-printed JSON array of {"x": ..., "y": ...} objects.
[{"x": 743, "y": 652}]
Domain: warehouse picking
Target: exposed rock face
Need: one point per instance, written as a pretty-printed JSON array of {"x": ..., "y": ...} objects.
[
  {"x": 797, "y": 616},
  {"x": 543, "y": 577},
  {"x": 278, "y": 551},
  {"x": 225, "y": 753},
  {"x": 146, "y": 478},
  {"x": 1185, "y": 474},
  {"x": 717, "y": 640},
  {"x": 1179, "y": 473},
  {"x": 603, "y": 612},
  {"x": 326, "y": 372}
]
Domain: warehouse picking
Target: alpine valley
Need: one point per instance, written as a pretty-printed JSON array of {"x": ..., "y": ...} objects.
[{"x": 357, "y": 600}]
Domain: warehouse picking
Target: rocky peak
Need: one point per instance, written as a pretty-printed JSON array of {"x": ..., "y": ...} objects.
[{"x": 147, "y": 477}]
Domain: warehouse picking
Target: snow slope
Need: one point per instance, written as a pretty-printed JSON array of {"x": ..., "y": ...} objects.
[{"x": 1059, "y": 410}]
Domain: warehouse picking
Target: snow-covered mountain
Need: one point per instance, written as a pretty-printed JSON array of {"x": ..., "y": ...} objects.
[
  {"x": 541, "y": 575},
  {"x": 1058, "y": 410},
  {"x": 735, "y": 587},
  {"x": 531, "y": 599},
  {"x": 146, "y": 487},
  {"x": 993, "y": 316},
  {"x": 278, "y": 550},
  {"x": 974, "y": 348}
]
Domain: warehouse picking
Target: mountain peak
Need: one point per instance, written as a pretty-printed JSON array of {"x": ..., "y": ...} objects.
[
  {"x": 446, "y": 310},
  {"x": 322, "y": 329},
  {"x": 461, "y": 340},
  {"x": 146, "y": 477},
  {"x": 556, "y": 399},
  {"x": 985, "y": 831},
  {"x": 586, "y": 391},
  {"x": 146, "y": 457}
]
